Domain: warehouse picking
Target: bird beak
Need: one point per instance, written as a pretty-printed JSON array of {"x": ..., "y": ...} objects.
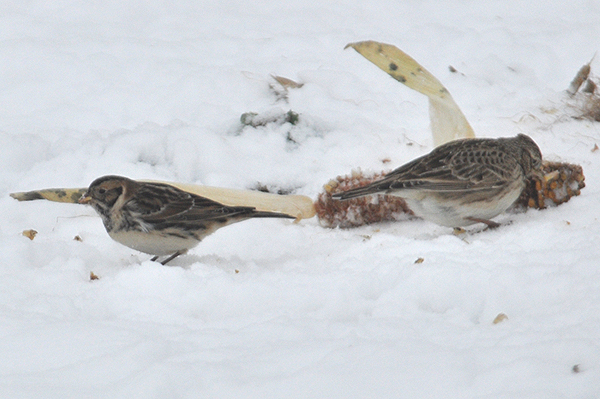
[{"x": 85, "y": 198}]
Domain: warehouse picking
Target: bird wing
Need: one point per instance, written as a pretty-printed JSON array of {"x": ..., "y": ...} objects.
[
  {"x": 462, "y": 165},
  {"x": 470, "y": 166},
  {"x": 161, "y": 203}
]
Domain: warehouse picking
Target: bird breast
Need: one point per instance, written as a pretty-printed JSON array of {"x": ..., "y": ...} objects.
[
  {"x": 455, "y": 209},
  {"x": 154, "y": 242}
]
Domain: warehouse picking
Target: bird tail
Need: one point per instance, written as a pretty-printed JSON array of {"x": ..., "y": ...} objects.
[
  {"x": 357, "y": 192},
  {"x": 263, "y": 214}
]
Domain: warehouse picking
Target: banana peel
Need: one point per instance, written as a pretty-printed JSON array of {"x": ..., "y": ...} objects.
[
  {"x": 69, "y": 195},
  {"x": 447, "y": 120},
  {"x": 299, "y": 206}
]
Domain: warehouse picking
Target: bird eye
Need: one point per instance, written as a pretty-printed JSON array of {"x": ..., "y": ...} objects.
[{"x": 102, "y": 191}]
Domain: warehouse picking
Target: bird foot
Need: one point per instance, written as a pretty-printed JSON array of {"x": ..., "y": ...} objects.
[
  {"x": 458, "y": 231},
  {"x": 490, "y": 223}
]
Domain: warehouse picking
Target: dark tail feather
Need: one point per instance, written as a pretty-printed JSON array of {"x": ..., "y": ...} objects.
[
  {"x": 262, "y": 214},
  {"x": 357, "y": 192}
]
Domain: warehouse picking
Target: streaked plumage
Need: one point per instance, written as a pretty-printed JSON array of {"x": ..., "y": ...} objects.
[
  {"x": 461, "y": 182},
  {"x": 160, "y": 219}
]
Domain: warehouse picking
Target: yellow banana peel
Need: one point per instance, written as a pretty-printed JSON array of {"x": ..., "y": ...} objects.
[{"x": 447, "y": 120}]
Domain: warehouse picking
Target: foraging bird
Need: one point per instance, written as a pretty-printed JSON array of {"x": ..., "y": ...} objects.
[
  {"x": 160, "y": 219},
  {"x": 461, "y": 182}
]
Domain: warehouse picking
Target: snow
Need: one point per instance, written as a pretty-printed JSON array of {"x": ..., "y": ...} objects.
[{"x": 269, "y": 308}]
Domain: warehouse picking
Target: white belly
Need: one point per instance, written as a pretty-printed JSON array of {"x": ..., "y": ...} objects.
[
  {"x": 458, "y": 212},
  {"x": 154, "y": 244}
]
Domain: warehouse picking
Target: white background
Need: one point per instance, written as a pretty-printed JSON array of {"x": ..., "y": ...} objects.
[{"x": 155, "y": 90}]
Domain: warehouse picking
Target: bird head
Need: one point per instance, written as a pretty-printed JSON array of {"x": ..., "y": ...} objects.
[
  {"x": 531, "y": 156},
  {"x": 104, "y": 192}
]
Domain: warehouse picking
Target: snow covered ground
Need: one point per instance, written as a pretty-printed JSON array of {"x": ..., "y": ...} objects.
[{"x": 267, "y": 308}]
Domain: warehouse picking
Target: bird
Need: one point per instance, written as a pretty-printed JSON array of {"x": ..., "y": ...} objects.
[
  {"x": 462, "y": 182},
  {"x": 160, "y": 219}
]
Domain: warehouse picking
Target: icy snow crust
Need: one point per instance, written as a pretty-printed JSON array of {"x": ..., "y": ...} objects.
[{"x": 267, "y": 308}]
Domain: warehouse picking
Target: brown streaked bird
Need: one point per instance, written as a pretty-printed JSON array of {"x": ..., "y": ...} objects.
[
  {"x": 462, "y": 182},
  {"x": 160, "y": 219}
]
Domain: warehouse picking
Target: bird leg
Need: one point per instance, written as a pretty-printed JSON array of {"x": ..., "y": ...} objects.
[
  {"x": 170, "y": 258},
  {"x": 490, "y": 223}
]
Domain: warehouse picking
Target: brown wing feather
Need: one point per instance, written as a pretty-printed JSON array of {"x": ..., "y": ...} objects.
[
  {"x": 462, "y": 165},
  {"x": 164, "y": 203},
  {"x": 465, "y": 165},
  {"x": 154, "y": 201}
]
